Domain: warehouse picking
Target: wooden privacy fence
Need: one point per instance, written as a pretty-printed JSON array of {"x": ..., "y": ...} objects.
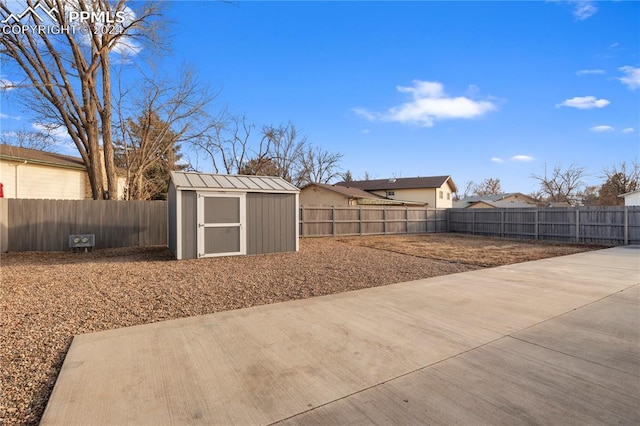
[
  {"x": 596, "y": 225},
  {"x": 45, "y": 225},
  {"x": 335, "y": 221}
]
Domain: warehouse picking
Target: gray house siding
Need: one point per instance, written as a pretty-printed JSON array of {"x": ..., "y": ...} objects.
[
  {"x": 172, "y": 220},
  {"x": 270, "y": 223},
  {"x": 189, "y": 224}
]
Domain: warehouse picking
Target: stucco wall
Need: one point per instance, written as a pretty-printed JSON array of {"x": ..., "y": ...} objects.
[{"x": 22, "y": 180}]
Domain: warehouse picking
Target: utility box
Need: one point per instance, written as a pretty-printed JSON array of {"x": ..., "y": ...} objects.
[{"x": 82, "y": 242}]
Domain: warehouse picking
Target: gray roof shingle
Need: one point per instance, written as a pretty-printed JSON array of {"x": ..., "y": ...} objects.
[{"x": 400, "y": 183}]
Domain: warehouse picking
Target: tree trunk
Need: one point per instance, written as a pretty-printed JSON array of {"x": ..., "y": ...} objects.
[{"x": 107, "y": 144}]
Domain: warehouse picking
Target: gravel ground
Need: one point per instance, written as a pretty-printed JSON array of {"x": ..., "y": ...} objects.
[{"x": 47, "y": 298}]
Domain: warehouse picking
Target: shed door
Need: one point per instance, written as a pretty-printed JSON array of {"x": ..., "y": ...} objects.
[{"x": 221, "y": 224}]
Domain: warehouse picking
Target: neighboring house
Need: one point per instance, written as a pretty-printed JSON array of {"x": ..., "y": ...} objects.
[
  {"x": 29, "y": 173},
  {"x": 433, "y": 191},
  {"x": 320, "y": 194},
  {"x": 631, "y": 198},
  {"x": 507, "y": 200}
]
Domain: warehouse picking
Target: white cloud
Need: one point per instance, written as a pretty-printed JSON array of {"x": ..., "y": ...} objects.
[
  {"x": 631, "y": 78},
  {"x": 125, "y": 46},
  {"x": 602, "y": 128},
  {"x": 6, "y": 85},
  {"x": 429, "y": 104},
  {"x": 584, "y": 102},
  {"x": 628, "y": 130},
  {"x": 10, "y": 117},
  {"x": 59, "y": 133},
  {"x": 583, "y": 9},
  {"x": 589, "y": 72},
  {"x": 522, "y": 157},
  {"x": 497, "y": 160}
]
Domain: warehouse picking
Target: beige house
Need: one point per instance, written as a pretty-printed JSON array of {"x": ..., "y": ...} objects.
[
  {"x": 432, "y": 191},
  {"x": 320, "y": 194},
  {"x": 494, "y": 201},
  {"x": 29, "y": 173}
]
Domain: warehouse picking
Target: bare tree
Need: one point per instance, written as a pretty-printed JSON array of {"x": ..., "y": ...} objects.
[
  {"x": 563, "y": 185},
  {"x": 285, "y": 148},
  {"x": 490, "y": 186},
  {"x": 619, "y": 179},
  {"x": 367, "y": 175},
  {"x": 158, "y": 117},
  {"x": 468, "y": 189},
  {"x": 347, "y": 176},
  {"x": 228, "y": 143},
  {"x": 66, "y": 77},
  {"x": 319, "y": 166},
  {"x": 42, "y": 141}
]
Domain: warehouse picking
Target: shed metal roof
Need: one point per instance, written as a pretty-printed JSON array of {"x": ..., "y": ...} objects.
[{"x": 191, "y": 180}]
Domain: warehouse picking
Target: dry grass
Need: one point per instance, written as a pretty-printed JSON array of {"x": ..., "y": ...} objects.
[
  {"x": 469, "y": 249},
  {"x": 47, "y": 298}
]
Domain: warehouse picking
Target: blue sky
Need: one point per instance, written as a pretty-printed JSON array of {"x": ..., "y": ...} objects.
[{"x": 471, "y": 89}]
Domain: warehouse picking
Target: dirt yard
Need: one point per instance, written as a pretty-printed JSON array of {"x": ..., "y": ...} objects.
[{"x": 47, "y": 298}]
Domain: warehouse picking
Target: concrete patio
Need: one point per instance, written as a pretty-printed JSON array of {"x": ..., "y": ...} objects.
[{"x": 553, "y": 341}]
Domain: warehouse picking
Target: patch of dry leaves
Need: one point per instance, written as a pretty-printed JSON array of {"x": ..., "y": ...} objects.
[{"x": 47, "y": 298}]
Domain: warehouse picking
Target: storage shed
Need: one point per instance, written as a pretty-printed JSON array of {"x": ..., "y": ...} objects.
[{"x": 225, "y": 215}]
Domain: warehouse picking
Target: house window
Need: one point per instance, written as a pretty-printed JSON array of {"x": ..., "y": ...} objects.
[
  {"x": 390, "y": 194},
  {"x": 441, "y": 196},
  {"x": 448, "y": 195}
]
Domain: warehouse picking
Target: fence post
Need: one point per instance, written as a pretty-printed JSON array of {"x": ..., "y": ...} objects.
[
  {"x": 360, "y": 220},
  {"x": 473, "y": 223},
  {"x": 502, "y": 223},
  {"x": 406, "y": 217},
  {"x": 333, "y": 221},
  {"x": 447, "y": 219},
  {"x": 301, "y": 224},
  {"x": 626, "y": 225},
  {"x": 384, "y": 220},
  {"x": 577, "y": 224}
]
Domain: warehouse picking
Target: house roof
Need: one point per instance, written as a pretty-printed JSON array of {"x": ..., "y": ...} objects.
[
  {"x": 192, "y": 180},
  {"x": 15, "y": 153},
  {"x": 502, "y": 204},
  {"x": 629, "y": 193},
  {"x": 401, "y": 183},
  {"x": 495, "y": 200},
  {"x": 347, "y": 191}
]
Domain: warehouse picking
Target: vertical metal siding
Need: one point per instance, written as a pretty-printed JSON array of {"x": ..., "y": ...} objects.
[
  {"x": 189, "y": 225},
  {"x": 172, "y": 219},
  {"x": 270, "y": 223}
]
